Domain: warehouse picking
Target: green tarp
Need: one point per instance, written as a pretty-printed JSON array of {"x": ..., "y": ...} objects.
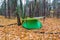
[{"x": 32, "y": 23}]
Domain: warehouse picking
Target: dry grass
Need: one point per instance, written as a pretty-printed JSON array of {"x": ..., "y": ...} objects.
[
  {"x": 19, "y": 33},
  {"x": 5, "y": 21}
]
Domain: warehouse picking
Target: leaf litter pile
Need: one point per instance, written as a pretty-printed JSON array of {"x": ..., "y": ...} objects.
[{"x": 49, "y": 31}]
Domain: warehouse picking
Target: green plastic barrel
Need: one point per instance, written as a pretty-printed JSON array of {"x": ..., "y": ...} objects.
[{"x": 32, "y": 24}]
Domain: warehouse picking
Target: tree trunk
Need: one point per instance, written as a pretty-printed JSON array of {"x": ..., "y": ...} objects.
[
  {"x": 5, "y": 9},
  {"x": 44, "y": 9},
  {"x": 9, "y": 9},
  {"x": 17, "y": 14}
]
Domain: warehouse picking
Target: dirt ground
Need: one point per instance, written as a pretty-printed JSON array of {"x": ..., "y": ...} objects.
[{"x": 49, "y": 31}]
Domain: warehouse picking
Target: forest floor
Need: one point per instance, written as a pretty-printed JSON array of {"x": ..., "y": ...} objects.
[{"x": 49, "y": 31}]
